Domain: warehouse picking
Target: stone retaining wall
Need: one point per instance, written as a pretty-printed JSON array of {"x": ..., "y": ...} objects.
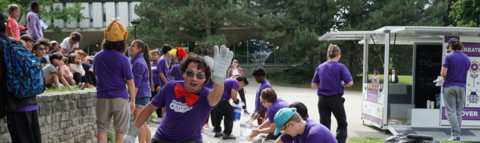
[{"x": 64, "y": 117}]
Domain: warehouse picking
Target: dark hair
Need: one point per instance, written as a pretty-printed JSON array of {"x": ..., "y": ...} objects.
[
  {"x": 71, "y": 58},
  {"x": 66, "y": 60},
  {"x": 259, "y": 71},
  {"x": 47, "y": 43},
  {"x": 141, "y": 44},
  {"x": 38, "y": 43},
  {"x": 26, "y": 38},
  {"x": 296, "y": 117},
  {"x": 120, "y": 46},
  {"x": 333, "y": 51},
  {"x": 12, "y": 7},
  {"x": 34, "y": 4},
  {"x": 457, "y": 46},
  {"x": 55, "y": 56},
  {"x": 53, "y": 44},
  {"x": 55, "y": 50},
  {"x": 202, "y": 65},
  {"x": 268, "y": 94},
  {"x": 93, "y": 53},
  {"x": 166, "y": 48},
  {"x": 242, "y": 78},
  {"x": 76, "y": 36},
  {"x": 301, "y": 109}
]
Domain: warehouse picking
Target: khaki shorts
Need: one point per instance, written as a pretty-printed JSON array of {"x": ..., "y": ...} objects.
[{"x": 118, "y": 108}]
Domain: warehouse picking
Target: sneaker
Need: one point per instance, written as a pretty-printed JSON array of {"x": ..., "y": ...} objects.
[
  {"x": 206, "y": 125},
  {"x": 218, "y": 134},
  {"x": 82, "y": 86},
  {"x": 454, "y": 138},
  {"x": 89, "y": 85},
  {"x": 226, "y": 137},
  {"x": 246, "y": 112},
  {"x": 158, "y": 120}
]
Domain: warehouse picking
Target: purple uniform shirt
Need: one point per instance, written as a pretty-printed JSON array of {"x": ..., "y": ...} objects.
[
  {"x": 229, "y": 84},
  {"x": 331, "y": 77},
  {"x": 163, "y": 67},
  {"x": 155, "y": 73},
  {"x": 34, "y": 26},
  {"x": 112, "y": 70},
  {"x": 176, "y": 72},
  {"x": 27, "y": 108},
  {"x": 457, "y": 64},
  {"x": 313, "y": 133},
  {"x": 182, "y": 122},
  {"x": 258, "y": 104},
  {"x": 273, "y": 109},
  {"x": 209, "y": 85},
  {"x": 141, "y": 76}
]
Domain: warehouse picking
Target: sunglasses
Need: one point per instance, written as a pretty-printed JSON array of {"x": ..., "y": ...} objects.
[
  {"x": 42, "y": 48},
  {"x": 283, "y": 130},
  {"x": 199, "y": 74}
]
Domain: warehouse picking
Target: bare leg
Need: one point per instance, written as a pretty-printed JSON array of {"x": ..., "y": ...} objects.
[
  {"x": 119, "y": 137},
  {"x": 64, "y": 82},
  {"x": 102, "y": 137},
  {"x": 142, "y": 134},
  {"x": 52, "y": 79}
]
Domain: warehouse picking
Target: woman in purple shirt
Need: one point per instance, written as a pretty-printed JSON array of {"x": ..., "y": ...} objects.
[
  {"x": 330, "y": 78},
  {"x": 143, "y": 83},
  {"x": 270, "y": 101}
]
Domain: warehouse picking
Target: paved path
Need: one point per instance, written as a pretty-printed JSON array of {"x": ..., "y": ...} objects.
[{"x": 309, "y": 98}]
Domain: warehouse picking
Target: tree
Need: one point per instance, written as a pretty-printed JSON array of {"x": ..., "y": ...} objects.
[
  {"x": 166, "y": 21},
  {"x": 67, "y": 14},
  {"x": 466, "y": 13}
]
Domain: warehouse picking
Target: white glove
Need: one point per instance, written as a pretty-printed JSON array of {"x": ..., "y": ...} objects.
[
  {"x": 220, "y": 63},
  {"x": 131, "y": 134}
]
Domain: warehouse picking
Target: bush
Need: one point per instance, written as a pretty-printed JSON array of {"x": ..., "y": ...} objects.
[{"x": 292, "y": 76}]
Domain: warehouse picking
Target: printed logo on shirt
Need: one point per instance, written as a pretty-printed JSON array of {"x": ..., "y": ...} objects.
[
  {"x": 154, "y": 67},
  {"x": 179, "y": 107}
]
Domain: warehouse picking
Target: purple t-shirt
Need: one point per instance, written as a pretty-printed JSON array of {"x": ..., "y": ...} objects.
[
  {"x": 458, "y": 64},
  {"x": 209, "y": 85},
  {"x": 112, "y": 70},
  {"x": 273, "y": 109},
  {"x": 228, "y": 85},
  {"x": 163, "y": 67},
  {"x": 141, "y": 76},
  {"x": 331, "y": 77},
  {"x": 27, "y": 108},
  {"x": 182, "y": 122},
  {"x": 155, "y": 73},
  {"x": 313, "y": 133},
  {"x": 175, "y": 70},
  {"x": 258, "y": 104}
]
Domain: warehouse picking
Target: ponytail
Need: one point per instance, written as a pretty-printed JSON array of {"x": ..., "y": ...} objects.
[
  {"x": 333, "y": 51},
  {"x": 146, "y": 56}
]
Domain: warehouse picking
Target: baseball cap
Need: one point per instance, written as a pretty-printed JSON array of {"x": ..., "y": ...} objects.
[
  {"x": 453, "y": 40},
  {"x": 281, "y": 117}
]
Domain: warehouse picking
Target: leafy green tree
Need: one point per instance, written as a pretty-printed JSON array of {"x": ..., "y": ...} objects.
[
  {"x": 67, "y": 14},
  {"x": 166, "y": 21},
  {"x": 466, "y": 13}
]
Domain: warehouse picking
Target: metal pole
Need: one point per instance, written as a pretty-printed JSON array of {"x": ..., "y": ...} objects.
[
  {"x": 386, "y": 80},
  {"x": 365, "y": 59},
  {"x": 248, "y": 53}
]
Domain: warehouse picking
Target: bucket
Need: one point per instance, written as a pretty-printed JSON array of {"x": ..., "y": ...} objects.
[{"x": 237, "y": 112}]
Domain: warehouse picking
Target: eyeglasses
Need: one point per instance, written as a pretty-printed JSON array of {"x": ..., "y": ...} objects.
[
  {"x": 199, "y": 74},
  {"x": 283, "y": 130},
  {"x": 42, "y": 48}
]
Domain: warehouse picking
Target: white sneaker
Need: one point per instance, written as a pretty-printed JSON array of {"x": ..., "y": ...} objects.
[
  {"x": 454, "y": 138},
  {"x": 158, "y": 120}
]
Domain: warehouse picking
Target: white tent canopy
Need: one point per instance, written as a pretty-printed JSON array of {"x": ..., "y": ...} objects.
[{"x": 402, "y": 35}]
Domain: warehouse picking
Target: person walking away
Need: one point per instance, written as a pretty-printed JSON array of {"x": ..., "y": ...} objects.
[
  {"x": 273, "y": 104},
  {"x": 234, "y": 72},
  {"x": 33, "y": 22},
  {"x": 454, "y": 78},
  {"x": 143, "y": 83},
  {"x": 188, "y": 103},
  {"x": 225, "y": 110},
  {"x": 113, "y": 71},
  {"x": 13, "y": 30},
  {"x": 330, "y": 79}
]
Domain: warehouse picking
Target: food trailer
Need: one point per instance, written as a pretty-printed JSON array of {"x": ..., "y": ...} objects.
[{"x": 403, "y": 107}]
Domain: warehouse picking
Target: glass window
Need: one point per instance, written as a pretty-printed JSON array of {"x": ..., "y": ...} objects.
[
  {"x": 91, "y": 13},
  {"x": 117, "y": 8},
  {"x": 104, "y": 15}
]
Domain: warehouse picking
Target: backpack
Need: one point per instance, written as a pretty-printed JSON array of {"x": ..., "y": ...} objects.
[{"x": 24, "y": 70}]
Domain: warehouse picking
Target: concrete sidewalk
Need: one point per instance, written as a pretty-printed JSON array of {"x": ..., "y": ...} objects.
[{"x": 353, "y": 102}]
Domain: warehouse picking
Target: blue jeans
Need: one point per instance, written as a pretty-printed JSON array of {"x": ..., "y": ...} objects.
[{"x": 142, "y": 102}]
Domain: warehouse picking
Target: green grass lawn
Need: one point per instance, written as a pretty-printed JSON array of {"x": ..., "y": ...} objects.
[{"x": 51, "y": 89}]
